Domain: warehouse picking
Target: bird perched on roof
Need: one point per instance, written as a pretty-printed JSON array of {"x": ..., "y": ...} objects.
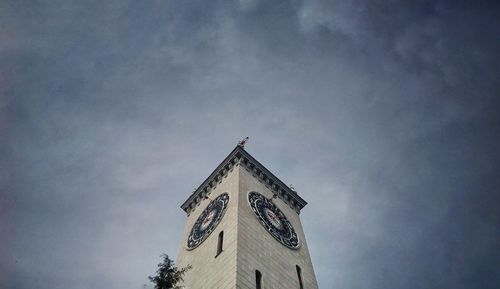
[{"x": 242, "y": 142}]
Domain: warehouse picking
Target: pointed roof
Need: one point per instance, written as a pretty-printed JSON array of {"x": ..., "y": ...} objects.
[{"x": 241, "y": 157}]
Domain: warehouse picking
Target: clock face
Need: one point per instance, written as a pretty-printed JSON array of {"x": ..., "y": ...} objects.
[
  {"x": 273, "y": 220},
  {"x": 207, "y": 221}
]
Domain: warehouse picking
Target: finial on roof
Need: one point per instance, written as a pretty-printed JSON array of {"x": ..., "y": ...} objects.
[{"x": 242, "y": 142}]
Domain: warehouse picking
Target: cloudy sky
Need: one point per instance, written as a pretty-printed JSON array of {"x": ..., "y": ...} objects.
[{"x": 383, "y": 114}]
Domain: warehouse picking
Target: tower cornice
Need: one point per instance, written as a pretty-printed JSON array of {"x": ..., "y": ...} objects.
[{"x": 241, "y": 157}]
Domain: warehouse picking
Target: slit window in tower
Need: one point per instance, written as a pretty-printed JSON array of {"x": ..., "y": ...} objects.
[
  {"x": 299, "y": 275},
  {"x": 258, "y": 279},
  {"x": 220, "y": 243}
]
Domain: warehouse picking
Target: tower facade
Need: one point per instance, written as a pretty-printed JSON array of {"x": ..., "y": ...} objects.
[{"x": 243, "y": 231}]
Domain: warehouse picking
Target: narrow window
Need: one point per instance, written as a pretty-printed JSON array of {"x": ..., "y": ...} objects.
[
  {"x": 299, "y": 275},
  {"x": 258, "y": 279},
  {"x": 219, "y": 244}
]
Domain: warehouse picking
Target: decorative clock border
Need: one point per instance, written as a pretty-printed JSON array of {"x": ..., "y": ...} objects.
[
  {"x": 260, "y": 218},
  {"x": 224, "y": 198}
]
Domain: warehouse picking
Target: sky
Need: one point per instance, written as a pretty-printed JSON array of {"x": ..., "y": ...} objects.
[{"x": 384, "y": 115}]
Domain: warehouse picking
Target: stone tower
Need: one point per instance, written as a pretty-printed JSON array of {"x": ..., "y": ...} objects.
[{"x": 243, "y": 231}]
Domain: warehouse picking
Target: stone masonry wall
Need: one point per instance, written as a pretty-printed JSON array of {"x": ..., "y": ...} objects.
[
  {"x": 208, "y": 271},
  {"x": 258, "y": 250},
  {"x": 247, "y": 244}
]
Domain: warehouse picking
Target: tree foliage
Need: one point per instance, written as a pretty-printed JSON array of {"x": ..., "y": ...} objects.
[{"x": 168, "y": 276}]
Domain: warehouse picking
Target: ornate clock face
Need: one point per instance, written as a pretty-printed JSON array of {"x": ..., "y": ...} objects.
[
  {"x": 273, "y": 220},
  {"x": 207, "y": 221}
]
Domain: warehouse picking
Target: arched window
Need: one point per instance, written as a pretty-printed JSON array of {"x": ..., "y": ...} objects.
[
  {"x": 299, "y": 275},
  {"x": 220, "y": 243},
  {"x": 258, "y": 279}
]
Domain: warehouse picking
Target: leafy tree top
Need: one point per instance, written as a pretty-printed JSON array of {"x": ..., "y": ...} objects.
[{"x": 168, "y": 275}]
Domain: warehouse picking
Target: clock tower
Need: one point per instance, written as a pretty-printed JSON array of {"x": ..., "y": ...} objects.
[{"x": 243, "y": 230}]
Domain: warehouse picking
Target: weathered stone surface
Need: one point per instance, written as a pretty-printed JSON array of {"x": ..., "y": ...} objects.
[{"x": 247, "y": 244}]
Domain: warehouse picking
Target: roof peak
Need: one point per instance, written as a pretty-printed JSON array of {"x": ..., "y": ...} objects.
[{"x": 239, "y": 156}]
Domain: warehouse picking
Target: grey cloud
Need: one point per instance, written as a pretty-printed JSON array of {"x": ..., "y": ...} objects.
[{"x": 382, "y": 114}]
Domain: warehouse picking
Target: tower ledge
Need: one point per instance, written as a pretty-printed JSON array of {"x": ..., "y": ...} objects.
[{"x": 241, "y": 157}]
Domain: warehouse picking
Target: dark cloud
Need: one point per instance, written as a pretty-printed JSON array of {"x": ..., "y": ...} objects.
[{"x": 383, "y": 114}]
